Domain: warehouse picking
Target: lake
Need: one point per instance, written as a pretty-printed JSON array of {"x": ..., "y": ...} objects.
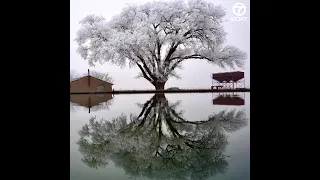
[{"x": 173, "y": 136}]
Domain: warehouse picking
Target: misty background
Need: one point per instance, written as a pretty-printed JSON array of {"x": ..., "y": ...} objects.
[{"x": 195, "y": 73}]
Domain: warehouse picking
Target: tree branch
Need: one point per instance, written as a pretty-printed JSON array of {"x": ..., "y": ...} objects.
[
  {"x": 171, "y": 51},
  {"x": 194, "y": 56},
  {"x": 144, "y": 108},
  {"x": 158, "y": 49},
  {"x": 144, "y": 73},
  {"x": 173, "y": 47},
  {"x": 147, "y": 113},
  {"x": 146, "y": 68}
]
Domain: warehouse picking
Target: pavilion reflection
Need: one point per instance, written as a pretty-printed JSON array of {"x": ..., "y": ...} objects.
[{"x": 229, "y": 100}]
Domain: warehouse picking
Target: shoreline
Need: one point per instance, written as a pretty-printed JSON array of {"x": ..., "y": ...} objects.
[{"x": 166, "y": 91}]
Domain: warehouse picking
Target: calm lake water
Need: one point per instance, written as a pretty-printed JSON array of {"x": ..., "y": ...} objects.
[{"x": 177, "y": 136}]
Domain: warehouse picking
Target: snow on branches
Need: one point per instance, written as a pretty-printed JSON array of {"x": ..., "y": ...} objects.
[{"x": 157, "y": 37}]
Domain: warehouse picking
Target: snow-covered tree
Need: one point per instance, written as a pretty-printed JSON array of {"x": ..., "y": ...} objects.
[
  {"x": 159, "y": 143},
  {"x": 74, "y": 75},
  {"x": 100, "y": 75},
  {"x": 157, "y": 37}
]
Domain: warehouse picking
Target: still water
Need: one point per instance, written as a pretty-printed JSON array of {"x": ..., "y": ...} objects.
[{"x": 173, "y": 136}]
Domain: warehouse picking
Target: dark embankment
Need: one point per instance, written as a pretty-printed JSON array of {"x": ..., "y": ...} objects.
[{"x": 166, "y": 91}]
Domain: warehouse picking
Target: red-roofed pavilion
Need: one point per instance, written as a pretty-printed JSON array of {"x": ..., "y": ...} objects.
[{"x": 228, "y": 80}]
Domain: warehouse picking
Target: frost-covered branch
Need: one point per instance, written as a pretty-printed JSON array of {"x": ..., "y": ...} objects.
[{"x": 74, "y": 75}]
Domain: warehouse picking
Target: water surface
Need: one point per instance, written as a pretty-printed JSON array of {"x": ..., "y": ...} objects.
[{"x": 179, "y": 136}]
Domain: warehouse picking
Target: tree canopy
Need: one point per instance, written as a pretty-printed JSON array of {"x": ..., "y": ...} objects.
[{"x": 157, "y": 37}]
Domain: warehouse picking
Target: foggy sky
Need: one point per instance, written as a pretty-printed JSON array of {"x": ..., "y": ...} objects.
[{"x": 195, "y": 73}]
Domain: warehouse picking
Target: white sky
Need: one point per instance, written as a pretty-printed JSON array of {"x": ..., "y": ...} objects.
[{"x": 195, "y": 73}]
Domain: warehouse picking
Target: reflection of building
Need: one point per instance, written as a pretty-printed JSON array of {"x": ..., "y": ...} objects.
[
  {"x": 233, "y": 100},
  {"x": 90, "y": 100},
  {"x": 90, "y": 84}
]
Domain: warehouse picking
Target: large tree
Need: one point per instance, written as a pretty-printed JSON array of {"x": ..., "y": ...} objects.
[
  {"x": 157, "y": 37},
  {"x": 159, "y": 143}
]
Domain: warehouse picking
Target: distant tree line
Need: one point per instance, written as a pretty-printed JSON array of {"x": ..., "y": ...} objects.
[{"x": 100, "y": 75}]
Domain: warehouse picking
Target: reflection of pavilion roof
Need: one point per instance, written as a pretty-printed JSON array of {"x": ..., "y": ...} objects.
[
  {"x": 228, "y": 100},
  {"x": 89, "y": 100}
]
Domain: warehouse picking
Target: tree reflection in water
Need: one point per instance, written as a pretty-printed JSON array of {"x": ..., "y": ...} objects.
[{"x": 159, "y": 143}]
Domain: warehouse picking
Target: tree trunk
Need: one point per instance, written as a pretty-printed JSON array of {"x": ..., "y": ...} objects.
[
  {"x": 159, "y": 85},
  {"x": 159, "y": 96}
]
